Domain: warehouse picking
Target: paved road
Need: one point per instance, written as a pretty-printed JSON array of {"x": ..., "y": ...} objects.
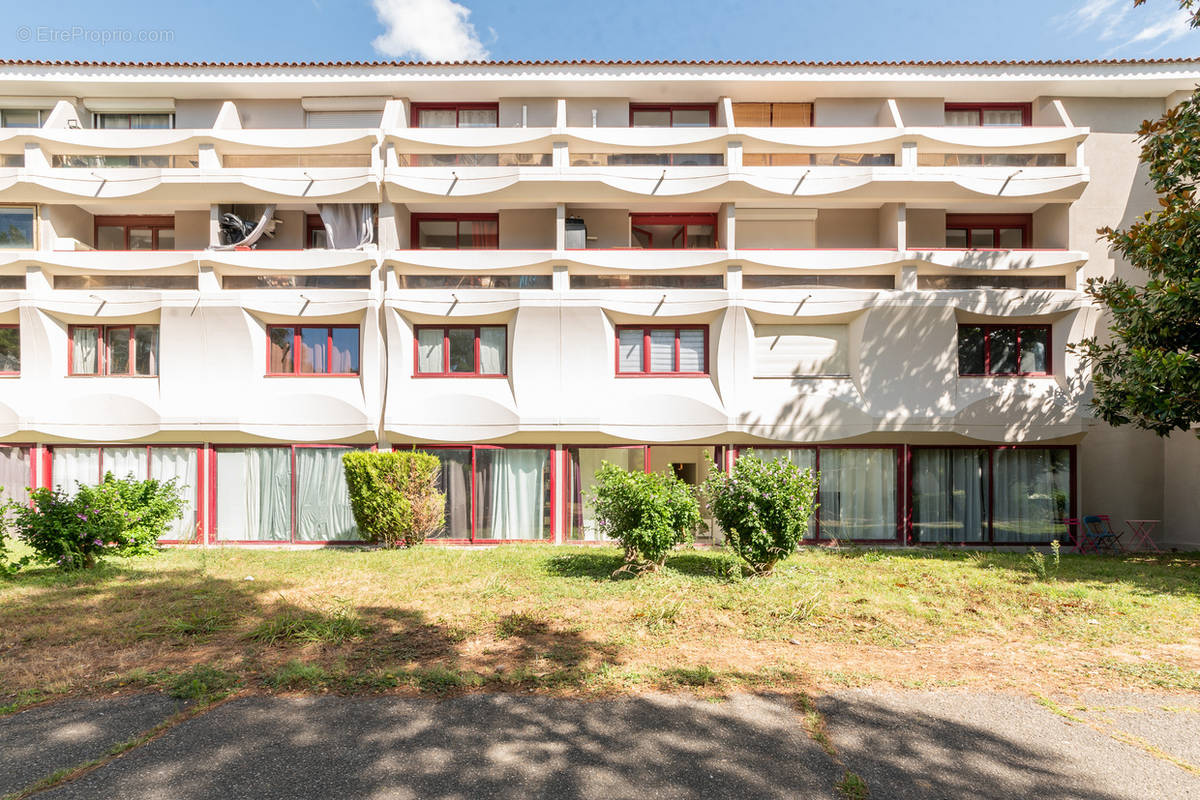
[{"x": 904, "y": 744}]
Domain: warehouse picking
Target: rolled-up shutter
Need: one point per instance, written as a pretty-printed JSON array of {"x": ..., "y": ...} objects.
[
  {"x": 344, "y": 119},
  {"x": 791, "y": 115},
  {"x": 752, "y": 115},
  {"x": 796, "y": 350}
]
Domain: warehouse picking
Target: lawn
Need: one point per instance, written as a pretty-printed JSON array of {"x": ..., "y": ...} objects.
[{"x": 550, "y": 619}]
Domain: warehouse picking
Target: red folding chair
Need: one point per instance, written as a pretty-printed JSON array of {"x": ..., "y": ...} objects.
[{"x": 1074, "y": 537}]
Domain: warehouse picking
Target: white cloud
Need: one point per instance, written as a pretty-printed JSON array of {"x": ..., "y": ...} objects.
[
  {"x": 1117, "y": 23},
  {"x": 427, "y": 30}
]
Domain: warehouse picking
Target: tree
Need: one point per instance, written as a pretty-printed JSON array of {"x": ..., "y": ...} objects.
[
  {"x": 1187, "y": 5},
  {"x": 1147, "y": 373}
]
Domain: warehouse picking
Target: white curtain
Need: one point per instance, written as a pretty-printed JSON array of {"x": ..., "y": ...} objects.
[
  {"x": 14, "y": 473},
  {"x": 493, "y": 350},
  {"x": 950, "y": 494},
  {"x": 858, "y": 493},
  {"x": 125, "y": 461},
  {"x": 585, "y": 462},
  {"x": 348, "y": 226},
  {"x": 516, "y": 502},
  {"x": 267, "y": 219},
  {"x": 179, "y": 463},
  {"x": 322, "y": 500},
  {"x": 83, "y": 351},
  {"x": 254, "y": 494},
  {"x": 71, "y": 465},
  {"x": 1032, "y": 490},
  {"x": 429, "y": 350}
]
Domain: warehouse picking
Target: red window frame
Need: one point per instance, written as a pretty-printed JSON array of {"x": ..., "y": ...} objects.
[
  {"x": 128, "y": 221},
  {"x": 417, "y": 219},
  {"x": 676, "y": 219},
  {"x": 201, "y": 477},
  {"x": 553, "y": 500},
  {"x": 16, "y": 328},
  {"x": 417, "y": 108},
  {"x": 296, "y": 373},
  {"x": 993, "y": 222},
  {"x": 1026, "y": 110},
  {"x": 988, "y": 330},
  {"x": 102, "y": 359},
  {"x": 446, "y": 373},
  {"x": 646, "y": 373},
  {"x": 212, "y": 534},
  {"x": 671, "y": 108}
]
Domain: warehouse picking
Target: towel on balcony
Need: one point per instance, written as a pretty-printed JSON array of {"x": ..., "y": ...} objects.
[{"x": 348, "y": 226}]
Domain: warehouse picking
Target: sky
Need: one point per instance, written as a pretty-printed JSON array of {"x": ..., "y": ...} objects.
[{"x": 424, "y": 30}]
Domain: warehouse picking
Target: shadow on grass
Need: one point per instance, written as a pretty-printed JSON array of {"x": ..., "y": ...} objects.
[{"x": 598, "y": 565}]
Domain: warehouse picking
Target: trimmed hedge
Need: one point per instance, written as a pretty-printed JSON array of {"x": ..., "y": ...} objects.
[{"x": 394, "y": 496}]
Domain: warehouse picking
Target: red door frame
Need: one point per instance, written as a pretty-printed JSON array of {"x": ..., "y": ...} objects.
[
  {"x": 675, "y": 219},
  {"x": 292, "y": 540},
  {"x": 1026, "y": 110},
  {"x": 154, "y": 222},
  {"x": 995, "y": 222},
  {"x": 550, "y": 461},
  {"x": 416, "y": 220},
  {"x": 671, "y": 108},
  {"x": 201, "y": 483},
  {"x": 417, "y": 108}
]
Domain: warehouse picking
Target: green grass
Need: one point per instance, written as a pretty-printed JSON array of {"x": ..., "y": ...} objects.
[
  {"x": 202, "y": 683},
  {"x": 546, "y": 618}
]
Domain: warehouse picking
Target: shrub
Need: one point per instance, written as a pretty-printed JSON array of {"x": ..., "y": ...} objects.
[
  {"x": 119, "y": 517},
  {"x": 648, "y": 513},
  {"x": 763, "y": 507},
  {"x": 394, "y": 496}
]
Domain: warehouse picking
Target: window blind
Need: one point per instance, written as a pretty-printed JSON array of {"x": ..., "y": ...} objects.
[{"x": 787, "y": 350}]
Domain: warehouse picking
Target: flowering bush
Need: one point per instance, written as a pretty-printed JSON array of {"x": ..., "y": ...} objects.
[
  {"x": 119, "y": 517},
  {"x": 763, "y": 507},
  {"x": 647, "y": 512}
]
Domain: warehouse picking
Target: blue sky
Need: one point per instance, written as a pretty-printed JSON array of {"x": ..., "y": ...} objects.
[{"x": 296, "y": 30}]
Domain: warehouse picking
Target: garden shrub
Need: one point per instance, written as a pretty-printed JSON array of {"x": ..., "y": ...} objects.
[
  {"x": 648, "y": 513},
  {"x": 763, "y": 507},
  {"x": 119, "y": 517},
  {"x": 395, "y": 496}
]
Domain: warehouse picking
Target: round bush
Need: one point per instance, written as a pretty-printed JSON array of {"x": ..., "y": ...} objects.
[
  {"x": 763, "y": 507},
  {"x": 648, "y": 513}
]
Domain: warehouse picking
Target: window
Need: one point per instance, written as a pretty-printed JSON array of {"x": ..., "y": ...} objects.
[
  {"x": 456, "y": 231},
  {"x": 312, "y": 350},
  {"x": 462, "y": 351},
  {"x": 135, "y": 233},
  {"x": 857, "y": 489},
  {"x": 133, "y": 121},
  {"x": 296, "y": 282},
  {"x": 773, "y": 115},
  {"x": 672, "y": 116},
  {"x": 495, "y": 494},
  {"x": 88, "y": 465},
  {"x": 623, "y": 281},
  {"x": 986, "y": 281},
  {"x": 647, "y": 159},
  {"x": 149, "y": 282},
  {"x": 113, "y": 350},
  {"x": 662, "y": 351},
  {"x": 20, "y": 118},
  {"x": 1003, "y": 350},
  {"x": 316, "y": 237},
  {"x": 476, "y": 282},
  {"x": 801, "y": 350},
  {"x": 455, "y": 115},
  {"x": 819, "y": 281},
  {"x": 16, "y": 473},
  {"x": 281, "y": 494},
  {"x": 674, "y": 231},
  {"x": 989, "y": 114},
  {"x": 16, "y": 226},
  {"x": 584, "y": 463},
  {"x": 10, "y": 349},
  {"x": 988, "y": 232}
]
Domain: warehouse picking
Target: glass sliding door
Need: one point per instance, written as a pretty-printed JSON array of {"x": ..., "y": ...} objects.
[
  {"x": 857, "y": 493},
  {"x": 322, "y": 500},
  {"x": 950, "y": 494},
  {"x": 454, "y": 482},
  {"x": 254, "y": 500},
  {"x": 75, "y": 465},
  {"x": 804, "y": 458},
  {"x": 14, "y": 473},
  {"x": 512, "y": 493},
  {"x": 125, "y": 462},
  {"x": 584, "y": 463},
  {"x": 179, "y": 463},
  {"x": 1032, "y": 491}
]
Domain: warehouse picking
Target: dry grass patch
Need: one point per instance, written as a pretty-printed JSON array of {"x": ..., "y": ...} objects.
[{"x": 552, "y": 619}]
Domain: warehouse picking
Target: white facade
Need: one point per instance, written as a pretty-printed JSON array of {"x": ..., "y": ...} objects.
[{"x": 824, "y": 306}]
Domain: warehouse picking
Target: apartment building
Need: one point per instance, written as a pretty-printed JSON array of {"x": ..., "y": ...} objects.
[{"x": 232, "y": 273}]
